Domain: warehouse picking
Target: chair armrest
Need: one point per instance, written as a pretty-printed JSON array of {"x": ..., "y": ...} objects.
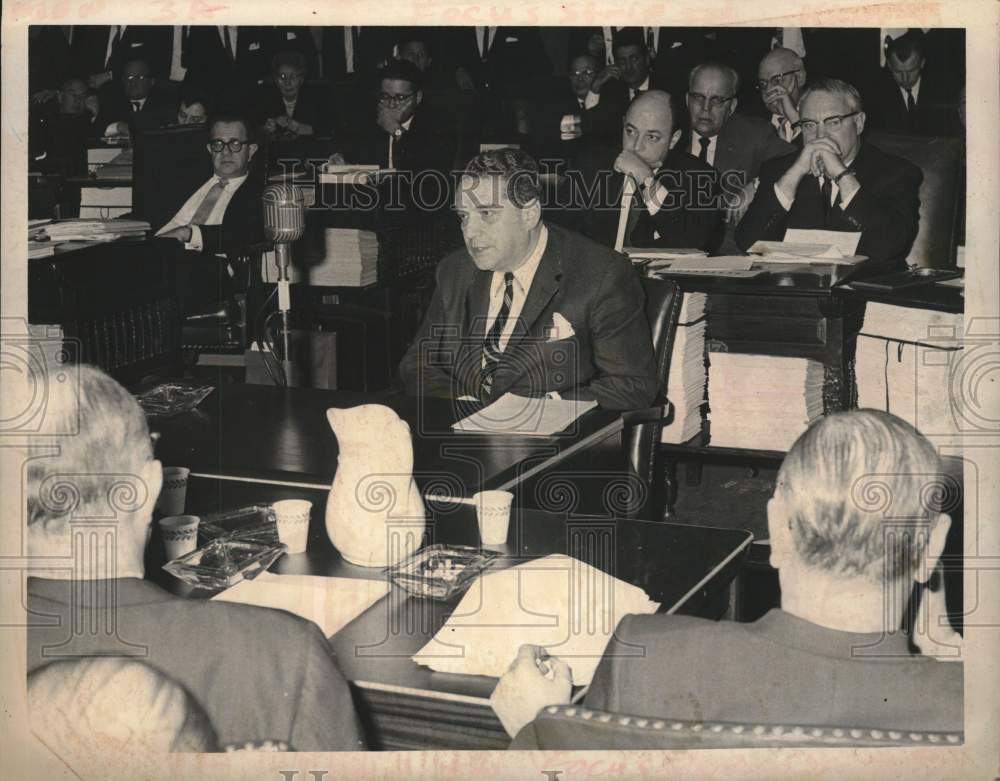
[{"x": 664, "y": 412}]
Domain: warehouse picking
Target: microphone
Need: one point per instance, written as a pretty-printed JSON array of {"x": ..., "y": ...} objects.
[{"x": 284, "y": 222}]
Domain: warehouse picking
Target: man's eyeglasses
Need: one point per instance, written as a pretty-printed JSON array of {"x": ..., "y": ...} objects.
[
  {"x": 385, "y": 99},
  {"x": 830, "y": 123},
  {"x": 233, "y": 145},
  {"x": 286, "y": 78},
  {"x": 137, "y": 78},
  {"x": 584, "y": 72},
  {"x": 775, "y": 80},
  {"x": 713, "y": 102}
]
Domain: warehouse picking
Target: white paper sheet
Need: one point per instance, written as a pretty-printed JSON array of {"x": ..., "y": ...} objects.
[
  {"x": 522, "y": 416},
  {"x": 557, "y": 602},
  {"x": 846, "y": 242},
  {"x": 330, "y": 603}
]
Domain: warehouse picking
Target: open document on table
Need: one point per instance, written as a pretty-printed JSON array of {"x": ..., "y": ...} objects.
[{"x": 523, "y": 416}]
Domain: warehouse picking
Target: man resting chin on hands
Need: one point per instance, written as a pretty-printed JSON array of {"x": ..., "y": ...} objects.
[{"x": 532, "y": 681}]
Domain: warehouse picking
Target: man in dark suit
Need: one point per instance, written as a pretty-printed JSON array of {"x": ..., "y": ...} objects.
[
  {"x": 101, "y": 51},
  {"x": 630, "y": 73},
  {"x": 221, "y": 218},
  {"x": 781, "y": 76},
  {"x": 260, "y": 674},
  {"x": 833, "y": 654},
  {"x": 656, "y": 196},
  {"x": 228, "y": 61},
  {"x": 735, "y": 145},
  {"x": 837, "y": 182},
  {"x": 529, "y": 308},
  {"x": 911, "y": 97},
  {"x": 135, "y": 103}
]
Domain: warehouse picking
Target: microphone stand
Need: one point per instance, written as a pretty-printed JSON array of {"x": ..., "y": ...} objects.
[{"x": 283, "y": 257}]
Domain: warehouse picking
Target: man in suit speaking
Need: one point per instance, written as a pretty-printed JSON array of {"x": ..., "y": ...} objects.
[{"x": 529, "y": 308}]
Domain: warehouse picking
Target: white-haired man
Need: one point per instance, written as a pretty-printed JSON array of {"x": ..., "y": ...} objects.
[
  {"x": 851, "y": 528},
  {"x": 260, "y": 674}
]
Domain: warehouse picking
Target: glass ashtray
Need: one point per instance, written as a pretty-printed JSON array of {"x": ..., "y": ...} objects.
[
  {"x": 224, "y": 563},
  {"x": 172, "y": 398},
  {"x": 254, "y": 523},
  {"x": 440, "y": 571}
]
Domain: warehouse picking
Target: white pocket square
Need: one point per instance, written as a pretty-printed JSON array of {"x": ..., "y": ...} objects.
[
  {"x": 510, "y": 39},
  {"x": 253, "y": 47},
  {"x": 560, "y": 328},
  {"x": 136, "y": 44}
]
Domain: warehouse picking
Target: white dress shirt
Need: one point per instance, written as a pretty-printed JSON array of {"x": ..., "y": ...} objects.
[
  {"x": 232, "y": 36},
  {"x": 786, "y": 203},
  {"x": 644, "y": 87},
  {"x": 489, "y": 42},
  {"x": 696, "y": 146},
  {"x": 915, "y": 89},
  {"x": 187, "y": 211},
  {"x": 523, "y": 277}
]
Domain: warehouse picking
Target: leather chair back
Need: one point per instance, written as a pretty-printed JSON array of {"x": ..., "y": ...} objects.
[
  {"x": 940, "y": 160},
  {"x": 571, "y": 727}
]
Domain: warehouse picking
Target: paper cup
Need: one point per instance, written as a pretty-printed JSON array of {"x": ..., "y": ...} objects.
[
  {"x": 292, "y": 516},
  {"x": 493, "y": 513},
  {"x": 174, "y": 490},
  {"x": 180, "y": 534}
]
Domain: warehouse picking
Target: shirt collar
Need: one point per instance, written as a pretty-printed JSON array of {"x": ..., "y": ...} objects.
[
  {"x": 407, "y": 123},
  {"x": 234, "y": 182},
  {"x": 644, "y": 86},
  {"x": 796, "y": 632},
  {"x": 525, "y": 273}
]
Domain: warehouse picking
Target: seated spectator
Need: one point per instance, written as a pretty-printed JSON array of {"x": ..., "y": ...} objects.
[
  {"x": 655, "y": 196},
  {"x": 569, "y": 121},
  {"x": 86, "y": 710},
  {"x": 781, "y": 76},
  {"x": 537, "y": 291},
  {"x": 837, "y": 182},
  {"x": 259, "y": 674},
  {"x": 134, "y": 103},
  {"x": 194, "y": 107},
  {"x": 912, "y": 97},
  {"x": 286, "y": 109},
  {"x": 734, "y": 144},
  {"x": 221, "y": 217},
  {"x": 405, "y": 134},
  {"x": 62, "y": 128},
  {"x": 833, "y": 653}
]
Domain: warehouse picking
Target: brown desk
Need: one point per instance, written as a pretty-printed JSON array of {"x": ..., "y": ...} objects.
[
  {"x": 406, "y": 706},
  {"x": 266, "y": 434}
]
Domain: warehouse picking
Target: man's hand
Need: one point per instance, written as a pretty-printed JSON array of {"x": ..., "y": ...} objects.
[
  {"x": 93, "y": 105},
  {"x": 821, "y": 156},
  {"x": 182, "y": 234},
  {"x": 388, "y": 120},
  {"x": 533, "y": 681},
  {"x": 610, "y": 72},
  {"x": 44, "y": 96},
  {"x": 930, "y": 635},
  {"x": 630, "y": 164},
  {"x": 270, "y": 126},
  {"x": 463, "y": 79},
  {"x": 777, "y": 99},
  {"x": 99, "y": 79},
  {"x": 738, "y": 204}
]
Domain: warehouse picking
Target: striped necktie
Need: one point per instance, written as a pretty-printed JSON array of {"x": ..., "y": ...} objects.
[
  {"x": 204, "y": 210},
  {"x": 491, "y": 345}
]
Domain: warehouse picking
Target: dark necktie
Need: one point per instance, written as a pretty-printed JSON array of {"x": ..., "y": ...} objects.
[
  {"x": 204, "y": 210},
  {"x": 486, "y": 43},
  {"x": 826, "y": 193},
  {"x": 703, "y": 152},
  {"x": 491, "y": 345},
  {"x": 910, "y": 102},
  {"x": 136, "y": 106}
]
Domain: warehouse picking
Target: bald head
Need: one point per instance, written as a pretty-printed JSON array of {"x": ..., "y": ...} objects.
[
  {"x": 780, "y": 69},
  {"x": 648, "y": 127}
]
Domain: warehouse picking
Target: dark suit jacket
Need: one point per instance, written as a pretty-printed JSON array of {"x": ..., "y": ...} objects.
[
  {"x": 600, "y": 126},
  {"x": 743, "y": 145},
  {"x": 516, "y": 56},
  {"x": 310, "y": 107},
  {"x": 690, "y": 217},
  {"x": 374, "y": 48},
  {"x": 429, "y": 144},
  {"x": 609, "y": 358},
  {"x": 935, "y": 114},
  {"x": 779, "y": 669},
  {"x": 225, "y": 654},
  {"x": 210, "y": 67},
  {"x": 158, "y": 110},
  {"x": 885, "y": 209},
  {"x": 153, "y": 43}
]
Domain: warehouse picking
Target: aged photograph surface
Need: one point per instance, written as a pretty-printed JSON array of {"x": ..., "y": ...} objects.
[{"x": 589, "y": 400}]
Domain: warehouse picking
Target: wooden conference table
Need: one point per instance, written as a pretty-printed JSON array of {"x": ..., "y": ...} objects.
[{"x": 402, "y": 704}]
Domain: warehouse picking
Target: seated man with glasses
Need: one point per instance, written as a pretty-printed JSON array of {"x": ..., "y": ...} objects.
[
  {"x": 222, "y": 217},
  {"x": 134, "y": 103},
  {"x": 781, "y": 76},
  {"x": 838, "y": 182},
  {"x": 734, "y": 144}
]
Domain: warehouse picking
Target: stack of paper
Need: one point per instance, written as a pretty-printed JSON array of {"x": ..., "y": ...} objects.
[
  {"x": 330, "y": 603},
  {"x": 40, "y": 249},
  {"x": 564, "y": 605},
  {"x": 351, "y": 259},
  {"x": 94, "y": 230},
  {"x": 687, "y": 378},
  {"x": 762, "y": 401},
  {"x": 523, "y": 416}
]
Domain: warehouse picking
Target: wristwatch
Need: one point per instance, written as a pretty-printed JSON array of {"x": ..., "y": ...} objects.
[{"x": 842, "y": 174}]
